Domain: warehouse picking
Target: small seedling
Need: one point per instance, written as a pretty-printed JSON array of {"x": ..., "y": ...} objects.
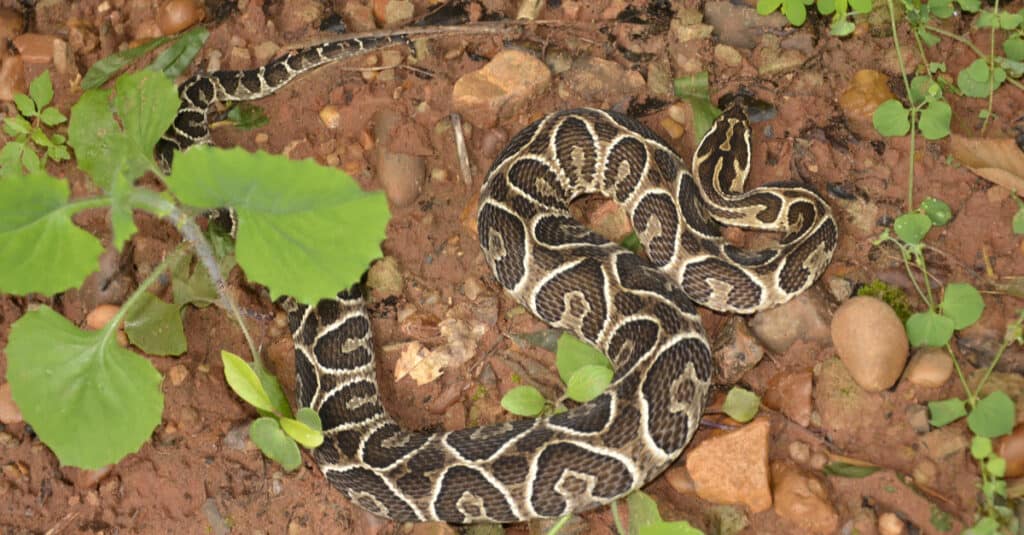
[
  {"x": 796, "y": 11},
  {"x": 26, "y": 130}
]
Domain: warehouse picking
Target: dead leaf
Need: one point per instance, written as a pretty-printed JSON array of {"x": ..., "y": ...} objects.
[
  {"x": 420, "y": 363},
  {"x": 998, "y": 160}
]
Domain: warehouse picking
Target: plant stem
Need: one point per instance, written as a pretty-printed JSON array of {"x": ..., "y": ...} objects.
[
  {"x": 133, "y": 299},
  {"x": 558, "y": 525},
  {"x": 971, "y": 397},
  {"x": 617, "y": 518},
  {"x": 913, "y": 114},
  {"x": 991, "y": 67},
  {"x": 999, "y": 352}
]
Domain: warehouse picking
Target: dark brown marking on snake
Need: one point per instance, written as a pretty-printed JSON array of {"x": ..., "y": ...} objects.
[
  {"x": 389, "y": 443},
  {"x": 655, "y": 218},
  {"x": 574, "y": 296},
  {"x": 363, "y": 481},
  {"x": 466, "y": 493},
  {"x": 624, "y": 167},
  {"x": 558, "y": 460},
  {"x": 590, "y": 418},
  {"x": 481, "y": 443}
]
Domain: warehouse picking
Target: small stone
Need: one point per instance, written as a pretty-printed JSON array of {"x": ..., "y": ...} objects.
[
  {"x": 399, "y": 173},
  {"x": 35, "y": 48},
  {"x": 9, "y": 412},
  {"x": 358, "y": 17},
  {"x": 500, "y": 88},
  {"x": 391, "y": 13},
  {"x": 803, "y": 318},
  {"x": 728, "y": 520},
  {"x": 942, "y": 443},
  {"x": 100, "y": 316},
  {"x": 728, "y": 55},
  {"x": 917, "y": 417},
  {"x": 177, "y": 374},
  {"x": 602, "y": 80},
  {"x": 771, "y": 58},
  {"x": 871, "y": 341},
  {"x": 930, "y": 367},
  {"x": 672, "y": 128},
  {"x": 890, "y": 524},
  {"x": 800, "y": 452},
  {"x": 85, "y": 479},
  {"x": 1011, "y": 448},
  {"x": 238, "y": 438},
  {"x": 802, "y": 499},
  {"x": 384, "y": 277},
  {"x": 265, "y": 51},
  {"x": 299, "y": 15},
  {"x": 818, "y": 461},
  {"x": 680, "y": 480},
  {"x": 791, "y": 393},
  {"x": 866, "y": 91},
  {"x": 733, "y": 468},
  {"x": 736, "y": 351},
  {"x": 175, "y": 16},
  {"x": 330, "y": 115},
  {"x": 925, "y": 472},
  {"x": 12, "y": 78},
  {"x": 12, "y": 23}
]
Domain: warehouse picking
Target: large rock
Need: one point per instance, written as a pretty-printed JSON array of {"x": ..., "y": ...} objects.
[
  {"x": 733, "y": 468},
  {"x": 500, "y": 88},
  {"x": 804, "y": 318},
  {"x": 871, "y": 342}
]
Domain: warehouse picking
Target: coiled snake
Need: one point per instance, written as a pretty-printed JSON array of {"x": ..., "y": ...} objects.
[{"x": 639, "y": 313}]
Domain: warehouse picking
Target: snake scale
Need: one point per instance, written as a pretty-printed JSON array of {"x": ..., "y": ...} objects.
[{"x": 641, "y": 313}]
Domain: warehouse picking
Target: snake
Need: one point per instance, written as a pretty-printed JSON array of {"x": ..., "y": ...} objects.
[{"x": 640, "y": 311}]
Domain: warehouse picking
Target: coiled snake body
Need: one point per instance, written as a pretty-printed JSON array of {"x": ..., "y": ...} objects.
[{"x": 639, "y": 313}]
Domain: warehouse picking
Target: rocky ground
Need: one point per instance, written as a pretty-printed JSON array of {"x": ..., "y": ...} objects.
[{"x": 385, "y": 119}]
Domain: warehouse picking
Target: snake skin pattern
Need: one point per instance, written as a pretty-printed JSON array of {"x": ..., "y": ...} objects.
[{"x": 641, "y": 313}]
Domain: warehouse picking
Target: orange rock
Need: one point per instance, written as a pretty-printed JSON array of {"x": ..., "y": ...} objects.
[
  {"x": 791, "y": 394},
  {"x": 9, "y": 412},
  {"x": 867, "y": 90},
  {"x": 802, "y": 499},
  {"x": 12, "y": 78},
  {"x": 733, "y": 468},
  {"x": 174, "y": 16},
  {"x": 500, "y": 87},
  {"x": 1011, "y": 448},
  {"x": 35, "y": 47}
]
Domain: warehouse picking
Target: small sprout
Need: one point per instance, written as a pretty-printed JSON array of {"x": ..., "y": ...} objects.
[
  {"x": 741, "y": 404},
  {"x": 912, "y": 228},
  {"x": 936, "y": 210},
  {"x": 891, "y": 119},
  {"x": 524, "y": 401},
  {"x": 963, "y": 304}
]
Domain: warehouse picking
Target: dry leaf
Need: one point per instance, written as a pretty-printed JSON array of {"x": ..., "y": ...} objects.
[
  {"x": 420, "y": 363},
  {"x": 998, "y": 160}
]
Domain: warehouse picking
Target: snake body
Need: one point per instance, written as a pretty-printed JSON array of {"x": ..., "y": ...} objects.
[{"x": 641, "y": 313}]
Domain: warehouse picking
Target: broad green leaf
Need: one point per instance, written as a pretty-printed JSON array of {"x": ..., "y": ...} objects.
[
  {"x": 122, "y": 218},
  {"x": 962, "y": 303},
  {"x": 996, "y": 466},
  {"x": 104, "y": 69},
  {"x": 891, "y": 119},
  {"x": 852, "y": 471},
  {"x": 42, "y": 249},
  {"x": 934, "y": 121},
  {"x": 245, "y": 382},
  {"x": 90, "y": 400},
  {"x": 17, "y": 126},
  {"x": 795, "y": 11},
  {"x": 302, "y": 433},
  {"x": 970, "y": 6},
  {"x": 101, "y": 149},
  {"x": 937, "y": 211},
  {"x": 632, "y": 242},
  {"x": 912, "y": 228},
  {"x": 643, "y": 511},
  {"x": 588, "y": 382},
  {"x": 1018, "y": 221},
  {"x": 929, "y": 329},
  {"x": 31, "y": 161},
  {"x": 52, "y": 117},
  {"x": 842, "y": 27},
  {"x": 680, "y": 527},
  {"x": 41, "y": 90},
  {"x": 942, "y": 9},
  {"x": 10, "y": 158},
  {"x": 192, "y": 285},
  {"x": 695, "y": 90},
  {"x": 974, "y": 79},
  {"x": 155, "y": 326},
  {"x": 981, "y": 447},
  {"x": 741, "y": 404},
  {"x": 992, "y": 416},
  {"x": 523, "y": 401},
  {"x": 826, "y": 7},
  {"x": 946, "y": 411},
  {"x": 146, "y": 103},
  {"x": 173, "y": 61},
  {"x": 1014, "y": 48},
  {"x": 861, "y": 6},
  {"x": 273, "y": 389},
  {"x": 573, "y": 354},
  {"x": 303, "y": 230},
  {"x": 767, "y": 7},
  {"x": 309, "y": 417},
  {"x": 25, "y": 105},
  {"x": 268, "y": 436}
]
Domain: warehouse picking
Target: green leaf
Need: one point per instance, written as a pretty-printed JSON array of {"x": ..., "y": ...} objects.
[
  {"x": 842, "y": 28},
  {"x": 632, "y": 242},
  {"x": 940, "y": 520},
  {"x": 937, "y": 211},
  {"x": 173, "y": 61},
  {"x": 25, "y": 106},
  {"x": 99, "y": 146},
  {"x": 741, "y": 404},
  {"x": 970, "y": 6},
  {"x": 826, "y": 7},
  {"x": 309, "y": 417},
  {"x": 245, "y": 382},
  {"x": 573, "y": 354},
  {"x": 17, "y": 126},
  {"x": 891, "y": 119},
  {"x": 942, "y": 9},
  {"x": 90, "y": 400},
  {"x": 523, "y": 401},
  {"x": 767, "y": 7},
  {"x": 268, "y": 436},
  {"x": 1018, "y": 221},
  {"x": 302, "y": 433},
  {"x": 286, "y": 210},
  {"x": 996, "y": 466},
  {"x": 962, "y": 303},
  {"x": 146, "y": 103},
  {"x": 1009, "y": 21},
  {"x": 194, "y": 286},
  {"x": 246, "y": 116},
  {"x": 52, "y": 117},
  {"x": 10, "y": 158},
  {"x": 992, "y": 416},
  {"x": 795, "y": 11},
  {"x": 680, "y": 527},
  {"x": 852, "y": 471},
  {"x": 929, "y": 329},
  {"x": 946, "y": 411},
  {"x": 273, "y": 389},
  {"x": 38, "y": 236},
  {"x": 588, "y": 382},
  {"x": 981, "y": 447},
  {"x": 986, "y": 526},
  {"x": 155, "y": 327},
  {"x": 31, "y": 161},
  {"x": 41, "y": 90},
  {"x": 974, "y": 79},
  {"x": 694, "y": 90},
  {"x": 912, "y": 228},
  {"x": 934, "y": 120},
  {"x": 104, "y": 69},
  {"x": 643, "y": 511},
  {"x": 861, "y": 6},
  {"x": 1014, "y": 48}
]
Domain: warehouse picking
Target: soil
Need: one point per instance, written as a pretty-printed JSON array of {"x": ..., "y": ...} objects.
[{"x": 198, "y": 473}]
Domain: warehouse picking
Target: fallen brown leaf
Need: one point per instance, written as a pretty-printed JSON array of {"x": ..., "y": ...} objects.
[{"x": 998, "y": 160}]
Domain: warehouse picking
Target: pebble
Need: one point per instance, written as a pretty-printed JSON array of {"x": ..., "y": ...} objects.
[
  {"x": 238, "y": 438},
  {"x": 736, "y": 351},
  {"x": 358, "y": 17},
  {"x": 943, "y": 442},
  {"x": 818, "y": 460},
  {"x": 601, "y": 80},
  {"x": 800, "y": 452},
  {"x": 740, "y": 25},
  {"x": 728, "y": 55},
  {"x": 391, "y": 13},
  {"x": 177, "y": 374},
  {"x": 791, "y": 393},
  {"x": 871, "y": 342},
  {"x": 866, "y": 91},
  {"x": 265, "y": 51},
  {"x": 732, "y": 468},
  {"x": 917, "y": 418},
  {"x": 401, "y": 175},
  {"x": 890, "y": 524},
  {"x": 1011, "y": 448},
  {"x": 770, "y": 58},
  {"x": 35, "y": 47},
  {"x": 174, "y": 16},
  {"x": 100, "y": 316},
  {"x": 12, "y": 78},
  {"x": 802, "y": 499},
  {"x": 9, "y": 412},
  {"x": 12, "y": 23},
  {"x": 803, "y": 318},
  {"x": 299, "y": 15},
  {"x": 330, "y": 115},
  {"x": 384, "y": 277},
  {"x": 930, "y": 367},
  {"x": 925, "y": 472},
  {"x": 500, "y": 88}
]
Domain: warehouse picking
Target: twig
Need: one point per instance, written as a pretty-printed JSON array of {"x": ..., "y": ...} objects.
[{"x": 460, "y": 148}]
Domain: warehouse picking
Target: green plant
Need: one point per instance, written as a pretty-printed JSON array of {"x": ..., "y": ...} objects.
[
  {"x": 796, "y": 11},
  {"x": 26, "y": 129},
  {"x": 90, "y": 400}
]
